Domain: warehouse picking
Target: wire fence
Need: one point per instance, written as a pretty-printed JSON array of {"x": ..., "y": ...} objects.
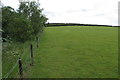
[{"x": 26, "y": 57}]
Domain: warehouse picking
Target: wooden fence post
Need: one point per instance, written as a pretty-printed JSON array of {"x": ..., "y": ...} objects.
[
  {"x": 37, "y": 40},
  {"x": 31, "y": 51},
  {"x": 20, "y": 68}
]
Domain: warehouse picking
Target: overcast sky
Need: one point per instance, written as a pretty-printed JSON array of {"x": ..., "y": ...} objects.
[{"x": 103, "y": 12}]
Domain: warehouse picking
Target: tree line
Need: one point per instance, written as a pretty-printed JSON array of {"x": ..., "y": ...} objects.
[
  {"x": 76, "y": 24},
  {"x": 24, "y": 23}
]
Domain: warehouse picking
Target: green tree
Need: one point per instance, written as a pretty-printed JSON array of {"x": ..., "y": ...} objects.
[
  {"x": 21, "y": 30},
  {"x": 32, "y": 11},
  {"x": 23, "y": 24},
  {"x": 8, "y": 15}
]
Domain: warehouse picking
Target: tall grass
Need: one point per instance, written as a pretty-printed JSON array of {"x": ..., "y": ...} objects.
[{"x": 10, "y": 54}]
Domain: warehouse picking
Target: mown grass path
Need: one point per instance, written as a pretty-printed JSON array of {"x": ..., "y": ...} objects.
[{"x": 76, "y": 52}]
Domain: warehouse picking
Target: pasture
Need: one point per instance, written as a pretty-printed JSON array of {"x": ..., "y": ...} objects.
[{"x": 76, "y": 52}]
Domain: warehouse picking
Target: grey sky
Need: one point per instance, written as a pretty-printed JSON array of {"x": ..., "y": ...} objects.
[{"x": 103, "y": 12}]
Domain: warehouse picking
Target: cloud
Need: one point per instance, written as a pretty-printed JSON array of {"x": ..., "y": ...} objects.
[
  {"x": 11, "y": 3},
  {"x": 103, "y": 12},
  {"x": 75, "y": 11},
  {"x": 100, "y": 14},
  {"x": 49, "y": 13},
  {"x": 72, "y": 11},
  {"x": 84, "y": 10}
]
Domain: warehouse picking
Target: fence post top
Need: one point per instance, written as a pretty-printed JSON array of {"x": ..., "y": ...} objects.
[{"x": 19, "y": 58}]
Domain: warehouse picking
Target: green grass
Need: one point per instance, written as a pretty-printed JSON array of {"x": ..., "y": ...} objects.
[
  {"x": 10, "y": 54},
  {"x": 76, "y": 52}
]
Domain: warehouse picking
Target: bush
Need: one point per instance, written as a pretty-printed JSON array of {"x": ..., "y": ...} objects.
[{"x": 21, "y": 30}]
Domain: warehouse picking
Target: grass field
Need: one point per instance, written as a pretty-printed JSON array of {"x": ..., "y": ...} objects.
[{"x": 76, "y": 52}]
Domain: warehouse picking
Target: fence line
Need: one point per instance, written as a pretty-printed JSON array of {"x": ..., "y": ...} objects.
[
  {"x": 8, "y": 74},
  {"x": 11, "y": 70}
]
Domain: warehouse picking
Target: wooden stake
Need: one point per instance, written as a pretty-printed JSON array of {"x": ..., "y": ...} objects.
[
  {"x": 20, "y": 68},
  {"x": 37, "y": 40},
  {"x": 31, "y": 49}
]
